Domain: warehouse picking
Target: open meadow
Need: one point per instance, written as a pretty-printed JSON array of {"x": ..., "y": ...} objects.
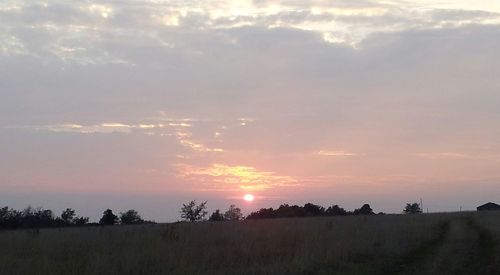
[{"x": 453, "y": 243}]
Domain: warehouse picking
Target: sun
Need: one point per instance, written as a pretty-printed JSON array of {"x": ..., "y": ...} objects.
[{"x": 248, "y": 197}]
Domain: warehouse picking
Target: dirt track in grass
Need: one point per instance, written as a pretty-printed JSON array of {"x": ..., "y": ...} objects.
[{"x": 461, "y": 246}]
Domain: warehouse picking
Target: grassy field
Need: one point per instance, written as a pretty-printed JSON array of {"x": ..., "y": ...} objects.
[{"x": 455, "y": 243}]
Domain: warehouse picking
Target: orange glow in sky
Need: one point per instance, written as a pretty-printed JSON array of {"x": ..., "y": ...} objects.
[
  {"x": 248, "y": 98},
  {"x": 226, "y": 177}
]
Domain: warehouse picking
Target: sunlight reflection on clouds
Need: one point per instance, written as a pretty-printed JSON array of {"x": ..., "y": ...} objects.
[{"x": 235, "y": 177}]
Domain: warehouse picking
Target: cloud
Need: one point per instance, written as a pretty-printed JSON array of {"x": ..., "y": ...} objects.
[
  {"x": 226, "y": 177},
  {"x": 443, "y": 156},
  {"x": 81, "y": 32},
  {"x": 258, "y": 85},
  {"x": 336, "y": 153},
  {"x": 165, "y": 127},
  {"x": 102, "y": 10},
  {"x": 185, "y": 139},
  {"x": 78, "y": 128},
  {"x": 88, "y": 129},
  {"x": 485, "y": 156}
]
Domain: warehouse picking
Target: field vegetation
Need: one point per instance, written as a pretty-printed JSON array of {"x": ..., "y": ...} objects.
[{"x": 452, "y": 243}]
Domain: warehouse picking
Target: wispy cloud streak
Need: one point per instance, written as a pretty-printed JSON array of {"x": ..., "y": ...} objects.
[{"x": 334, "y": 153}]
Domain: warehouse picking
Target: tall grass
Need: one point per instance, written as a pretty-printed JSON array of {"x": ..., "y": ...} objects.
[
  {"x": 491, "y": 222},
  {"x": 329, "y": 245}
]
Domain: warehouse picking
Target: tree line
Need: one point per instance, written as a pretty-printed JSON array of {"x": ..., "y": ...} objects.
[
  {"x": 197, "y": 212},
  {"x": 39, "y": 217},
  {"x": 308, "y": 210}
]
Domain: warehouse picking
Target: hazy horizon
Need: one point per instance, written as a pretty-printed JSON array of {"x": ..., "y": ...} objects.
[{"x": 149, "y": 104}]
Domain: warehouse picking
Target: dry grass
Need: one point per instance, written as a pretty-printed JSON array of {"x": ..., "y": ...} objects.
[{"x": 389, "y": 244}]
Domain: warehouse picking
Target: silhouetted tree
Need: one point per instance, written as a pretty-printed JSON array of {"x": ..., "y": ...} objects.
[
  {"x": 28, "y": 217},
  {"x": 4, "y": 212},
  {"x": 313, "y": 210},
  {"x": 192, "y": 212},
  {"x": 233, "y": 213},
  {"x": 412, "y": 208},
  {"x": 364, "y": 210},
  {"x": 131, "y": 217},
  {"x": 216, "y": 216},
  {"x": 68, "y": 216},
  {"x": 335, "y": 210},
  {"x": 10, "y": 218},
  {"x": 81, "y": 221},
  {"x": 263, "y": 213},
  {"x": 45, "y": 217},
  {"x": 287, "y": 211},
  {"x": 36, "y": 217},
  {"x": 108, "y": 218}
]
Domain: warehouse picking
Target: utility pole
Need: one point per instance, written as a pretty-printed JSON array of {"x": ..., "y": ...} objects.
[{"x": 421, "y": 205}]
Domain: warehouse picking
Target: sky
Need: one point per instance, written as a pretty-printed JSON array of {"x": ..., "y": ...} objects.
[{"x": 148, "y": 104}]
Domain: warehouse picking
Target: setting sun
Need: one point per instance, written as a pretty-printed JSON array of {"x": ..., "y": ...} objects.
[{"x": 248, "y": 197}]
